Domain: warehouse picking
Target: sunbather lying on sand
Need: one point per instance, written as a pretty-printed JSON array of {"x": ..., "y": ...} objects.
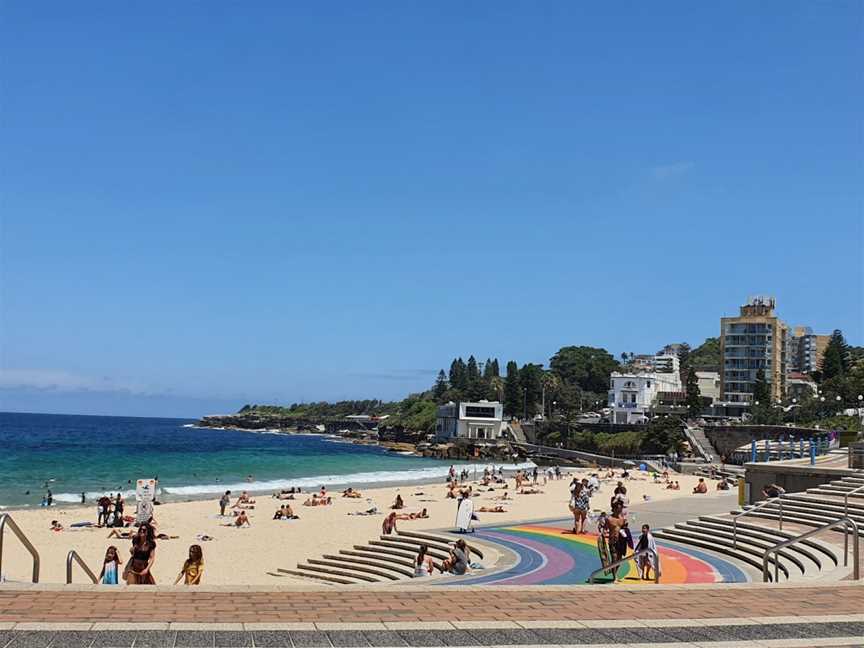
[
  {"x": 531, "y": 491},
  {"x": 412, "y": 516},
  {"x": 350, "y": 492}
]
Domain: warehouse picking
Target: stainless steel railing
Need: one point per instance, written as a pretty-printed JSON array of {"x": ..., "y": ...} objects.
[
  {"x": 655, "y": 562},
  {"x": 741, "y": 514},
  {"x": 6, "y": 520},
  {"x": 860, "y": 489},
  {"x": 73, "y": 555},
  {"x": 846, "y": 522}
]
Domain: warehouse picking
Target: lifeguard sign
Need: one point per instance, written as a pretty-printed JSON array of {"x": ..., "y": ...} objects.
[{"x": 145, "y": 494}]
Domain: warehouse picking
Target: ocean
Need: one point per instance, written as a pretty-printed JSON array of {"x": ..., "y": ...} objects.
[{"x": 99, "y": 454}]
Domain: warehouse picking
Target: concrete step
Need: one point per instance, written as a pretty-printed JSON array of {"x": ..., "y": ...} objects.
[
  {"x": 397, "y": 550},
  {"x": 746, "y": 544},
  {"x": 351, "y": 567},
  {"x": 320, "y": 577},
  {"x": 391, "y": 544},
  {"x": 829, "y": 513},
  {"x": 744, "y": 557},
  {"x": 338, "y": 572},
  {"x": 402, "y": 570},
  {"x": 768, "y": 538},
  {"x": 440, "y": 539},
  {"x": 826, "y": 503},
  {"x": 779, "y": 536},
  {"x": 415, "y": 543}
]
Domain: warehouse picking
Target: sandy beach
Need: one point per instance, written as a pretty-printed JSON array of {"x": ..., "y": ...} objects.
[{"x": 245, "y": 556}]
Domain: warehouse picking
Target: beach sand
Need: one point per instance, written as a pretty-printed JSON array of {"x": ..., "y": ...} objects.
[{"x": 245, "y": 556}]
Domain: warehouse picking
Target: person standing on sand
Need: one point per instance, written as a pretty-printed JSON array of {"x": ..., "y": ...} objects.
[
  {"x": 138, "y": 571},
  {"x": 224, "y": 501},
  {"x": 193, "y": 568}
]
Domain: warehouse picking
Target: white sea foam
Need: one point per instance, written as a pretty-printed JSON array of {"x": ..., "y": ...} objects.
[
  {"x": 433, "y": 473},
  {"x": 378, "y": 477}
]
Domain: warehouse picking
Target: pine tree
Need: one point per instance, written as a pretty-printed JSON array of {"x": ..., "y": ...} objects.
[
  {"x": 488, "y": 369},
  {"x": 532, "y": 386},
  {"x": 512, "y": 391},
  {"x": 441, "y": 386},
  {"x": 836, "y": 360},
  {"x": 761, "y": 389},
  {"x": 694, "y": 396},
  {"x": 459, "y": 376},
  {"x": 473, "y": 372},
  {"x": 495, "y": 370}
]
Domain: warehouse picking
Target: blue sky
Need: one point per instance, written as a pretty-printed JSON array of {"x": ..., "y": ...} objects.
[{"x": 207, "y": 204}]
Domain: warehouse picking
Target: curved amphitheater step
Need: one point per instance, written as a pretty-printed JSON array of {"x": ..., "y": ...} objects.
[
  {"x": 758, "y": 530},
  {"x": 384, "y": 560}
]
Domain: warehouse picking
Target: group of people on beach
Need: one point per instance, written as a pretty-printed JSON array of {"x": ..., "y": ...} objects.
[{"x": 138, "y": 570}]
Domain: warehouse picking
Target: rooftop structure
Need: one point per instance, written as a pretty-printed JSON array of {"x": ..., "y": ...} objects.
[{"x": 481, "y": 420}]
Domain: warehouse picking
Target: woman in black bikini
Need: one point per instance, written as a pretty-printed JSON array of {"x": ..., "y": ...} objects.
[{"x": 138, "y": 571}]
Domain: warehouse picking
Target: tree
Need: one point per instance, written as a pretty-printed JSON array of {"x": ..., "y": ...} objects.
[
  {"x": 458, "y": 375},
  {"x": 761, "y": 389},
  {"x": 530, "y": 378},
  {"x": 694, "y": 395},
  {"x": 706, "y": 355},
  {"x": 586, "y": 367},
  {"x": 683, "y": 355},
  {"x": 512, "y": 391},
  {"x": 836, "y": 360},
  {"x": 440, "y": 387}
]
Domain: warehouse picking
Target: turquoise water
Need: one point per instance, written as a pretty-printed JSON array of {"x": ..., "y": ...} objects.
[{"x": 97, "y": 454}]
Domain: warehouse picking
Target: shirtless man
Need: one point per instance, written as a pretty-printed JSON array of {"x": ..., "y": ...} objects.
[{"x": 617, "y": 544}]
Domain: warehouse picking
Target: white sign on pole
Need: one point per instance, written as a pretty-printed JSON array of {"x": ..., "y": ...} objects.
[{"x": 145, "y": 494}]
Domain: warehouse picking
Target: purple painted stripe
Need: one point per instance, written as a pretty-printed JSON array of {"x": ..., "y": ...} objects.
[{"x": 556, "y": 562}]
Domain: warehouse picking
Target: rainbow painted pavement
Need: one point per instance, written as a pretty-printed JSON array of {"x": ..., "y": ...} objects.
[{"x": 552, "y": 555}]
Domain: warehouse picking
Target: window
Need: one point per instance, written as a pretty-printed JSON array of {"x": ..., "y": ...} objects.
[{"x": 473, "y": 411}]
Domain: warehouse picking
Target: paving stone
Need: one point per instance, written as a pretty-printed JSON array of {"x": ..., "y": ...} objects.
[
  {"x": 504, "y": 637},
  {"x": 195, "y": 639},
  {"x": 34, "y": 639},
  {"x": 154, "y": 638},
  {"x": 347, "y": 638},
  {"x": 383, "y": 638},
  {"x": 73, "y": 639},
  {"x": 569, "y": 636},
  {"x": 112, "y": 639},
  {"x": 420, "y": 637},
  {"x": 233, "y": 639},
  {"x": 454, "y": 637},
  {"x": 6, "y": 637},
  {"x": 640, "y": 635},
  {"x": 271, "y": 639},
  {"x": 684, "y": 635},
  {"x": 309, "y": 639},
  {"x": 839, "y": 629}
]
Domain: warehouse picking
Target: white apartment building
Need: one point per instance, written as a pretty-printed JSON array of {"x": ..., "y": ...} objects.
[
  {"x": 632, "y": 394},
  {"x": 709, "y": 384},
  {"x": 482, "y": 420}
]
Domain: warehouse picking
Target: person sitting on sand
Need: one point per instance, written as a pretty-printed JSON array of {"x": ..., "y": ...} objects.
[
  {"x": 722, "y": 485},
  {"x": 240, "y": 520},
  {"x": 492, "y": 509},
  {"x": 399, "y": 503},
  {"x": 701, "y": 488},
  {"x": 350, "y": 492},
  {"x": 457, "y": 563},
  {"x": 676, "y": 486},
  {"x": 389, "y": 524},
  {"x": 56, "y": 526},
  {"x": 323, "y": 492},
  {"x": 193, "y": 568}
]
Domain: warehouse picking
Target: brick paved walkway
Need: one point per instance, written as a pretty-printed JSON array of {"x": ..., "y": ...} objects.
[{"x": 146, "y": 604}]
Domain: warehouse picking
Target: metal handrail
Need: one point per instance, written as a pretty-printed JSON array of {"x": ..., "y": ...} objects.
[
  {"x": 632, "y": 556},
  {"x": 6, "y": 520},
  {"x": 845, "y": 521},
  {"x": 860, "y": 489},
  {"x": 73, "y": 555},
  {"x": 740, "y": 514}
]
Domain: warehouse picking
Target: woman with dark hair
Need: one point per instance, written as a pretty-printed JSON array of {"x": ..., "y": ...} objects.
[
  {"x": 139, "y": 569},
  {"x": 423, "y": 565},
  {"x": 389, "y": 524}
]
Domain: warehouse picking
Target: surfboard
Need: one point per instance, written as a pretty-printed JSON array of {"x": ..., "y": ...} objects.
[{"x": 464, "y": 515}]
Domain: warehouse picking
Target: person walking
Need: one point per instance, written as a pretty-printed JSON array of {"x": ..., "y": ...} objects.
[{"x": 224, "y": 501}]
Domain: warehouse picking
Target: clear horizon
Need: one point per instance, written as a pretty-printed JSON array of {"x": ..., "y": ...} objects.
[{"x": 329, "y": 203}]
